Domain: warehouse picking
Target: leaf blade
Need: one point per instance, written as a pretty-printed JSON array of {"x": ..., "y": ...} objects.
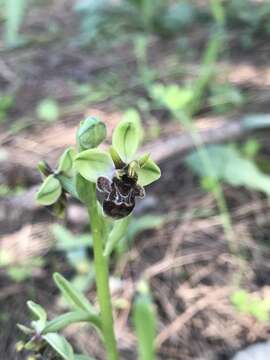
[{"x": 75, "y": 298}]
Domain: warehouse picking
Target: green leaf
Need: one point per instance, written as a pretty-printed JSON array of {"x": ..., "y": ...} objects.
[
  {"x": 148, "y": 173},
  {"x": 62, "y": 321},
  {"x": 37, "y": 310},
  {"x": 144, "y": 319},
  {"x": 40, "y": 313},
  {"x": 60, "y": 345},
  {"x": 118, "y": 232},
  {"x": 145, "y": 222},
  {"x": 48, "y": 110},
  {"x": 127, "y": 136},
  {"x": 74, "y": 297},
  {"x": 83, "y": 357},
  {"x": 67, "y": 241},
  {"x": 66, "y": 162},
  {"x": 93, "y": 163},
  {"x": 91, "y": 133},
  {"x": 136, "y": 226},
  {"x": 230, "y": 166},
  {"x": 49, "y": 192},
  {"x": 26, "y": 330}
]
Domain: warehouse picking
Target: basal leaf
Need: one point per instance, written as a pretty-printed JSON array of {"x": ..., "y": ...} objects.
[
  {"x": 38, "y": 311},
  {"x": 62, "y": 321},
  {"x": 40, "y": 314},
  {"x": 60, "y": 345}
]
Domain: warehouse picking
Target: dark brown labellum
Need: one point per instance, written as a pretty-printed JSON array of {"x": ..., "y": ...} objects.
[{"x": 120, "y": 195}]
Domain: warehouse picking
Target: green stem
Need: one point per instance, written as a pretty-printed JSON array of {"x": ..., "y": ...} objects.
[
  {"x": 186, "y": 121},
  {"x": 102, "y": 277}
]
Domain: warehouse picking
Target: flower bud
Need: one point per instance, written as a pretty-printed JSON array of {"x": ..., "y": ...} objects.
[{"x": 91, "y": 133}]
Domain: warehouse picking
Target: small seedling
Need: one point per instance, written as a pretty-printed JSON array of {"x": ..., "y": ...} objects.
[
  {"x": 121, "y": 176},
  {"x": 250, "y": 304}
]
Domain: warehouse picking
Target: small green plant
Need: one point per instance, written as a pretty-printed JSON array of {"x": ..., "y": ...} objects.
[
  {"x": 121, "y": 177},
  {"x": 231, "y": 167},
  {"x": 250, "y": 304}
]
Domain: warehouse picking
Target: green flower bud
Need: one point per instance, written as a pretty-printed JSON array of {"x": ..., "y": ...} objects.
[{"x": 91, "y": 133}]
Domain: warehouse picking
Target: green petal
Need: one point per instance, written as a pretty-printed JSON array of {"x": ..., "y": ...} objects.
[
  {"x": 127, "y": 135},
  {"x": 148, "y": 173},
  {"x": 93, "y": 163},
  {"x": 49, "y": 191}
]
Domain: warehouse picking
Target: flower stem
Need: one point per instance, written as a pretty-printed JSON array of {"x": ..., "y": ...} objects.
[{"x": 102, "y": 277}]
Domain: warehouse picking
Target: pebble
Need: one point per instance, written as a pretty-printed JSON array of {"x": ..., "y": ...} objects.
[{"x": 259, "y": 351}]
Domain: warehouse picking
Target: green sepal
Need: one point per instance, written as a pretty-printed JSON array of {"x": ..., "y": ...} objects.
[
  {"x": 91, "y": 133},
  {"x": 148, "y": 173},
  {"x": 75, "y": 298},
  {"x": 143, "y": 160},
  {"x": 49, "y": 192},
  {"x": 60, "y": 345},
  {"x": 127, "y": 136},
  {"x": 68, "y": 185},
  {"x": 93, "y": 163},
  {"x": 65, "y": 166}
]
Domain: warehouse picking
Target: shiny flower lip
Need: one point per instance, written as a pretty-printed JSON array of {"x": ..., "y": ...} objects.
[{"x": 120, "y": 194}]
